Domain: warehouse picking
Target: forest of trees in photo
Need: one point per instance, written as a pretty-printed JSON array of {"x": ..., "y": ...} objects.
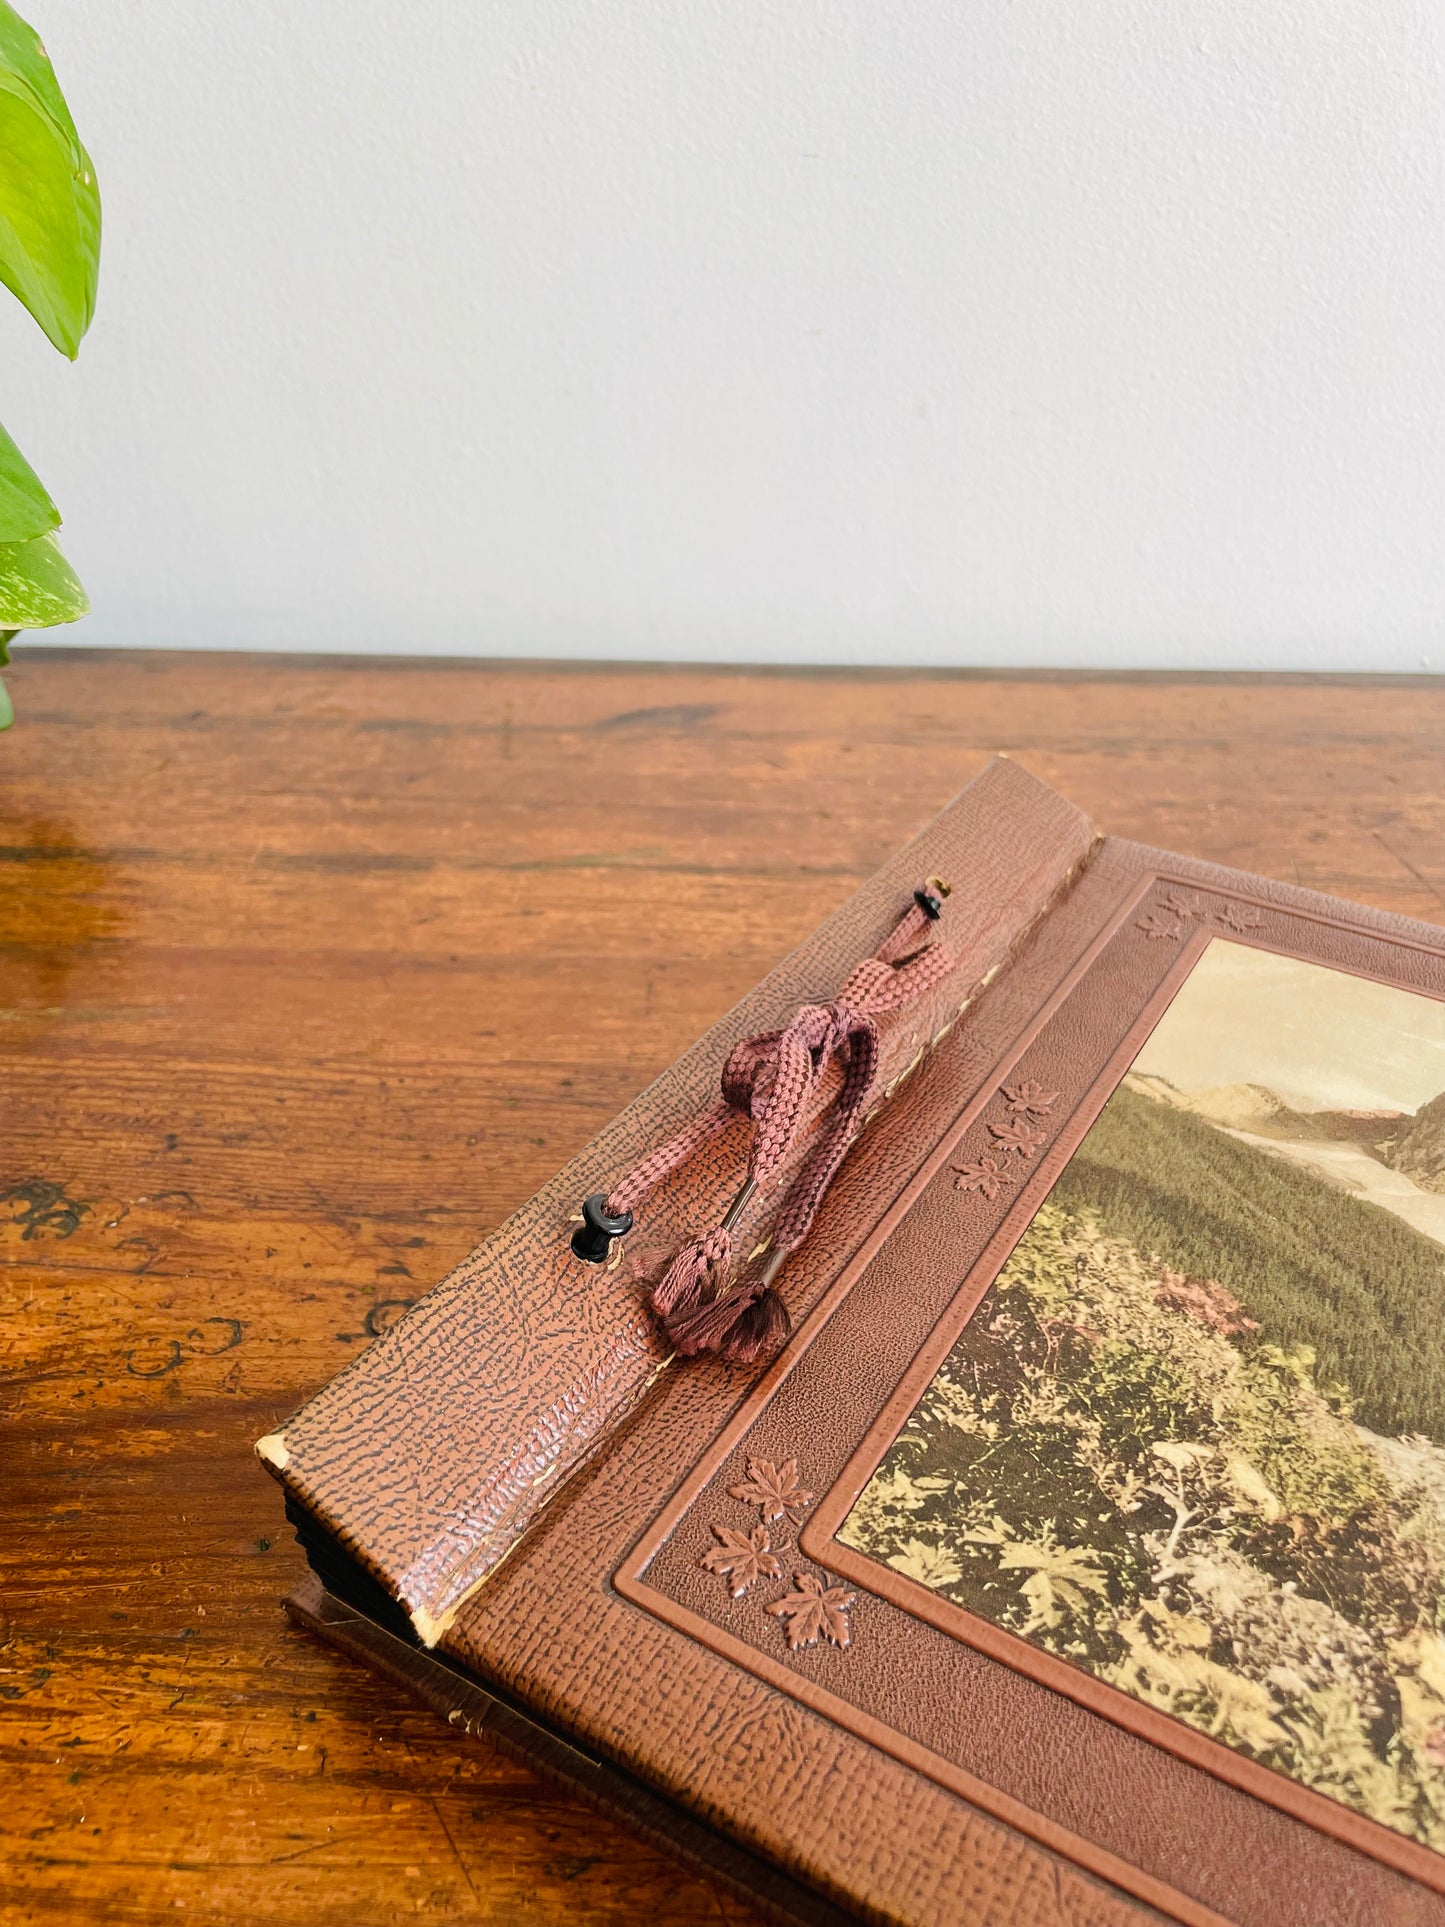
[{"x": 1189, "y": 1442}]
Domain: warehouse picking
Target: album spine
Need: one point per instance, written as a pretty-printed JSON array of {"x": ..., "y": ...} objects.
[{"x": 420, "y": 1467}]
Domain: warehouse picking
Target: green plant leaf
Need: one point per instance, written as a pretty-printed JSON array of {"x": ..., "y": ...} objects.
[
  {"x": 49, "y": 199},
  {"x": 25, "y": 508},
  {"x": 38, "y": 587}
]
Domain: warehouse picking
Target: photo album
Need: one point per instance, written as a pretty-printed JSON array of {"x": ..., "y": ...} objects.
[{"x": 967, "y": 1443}]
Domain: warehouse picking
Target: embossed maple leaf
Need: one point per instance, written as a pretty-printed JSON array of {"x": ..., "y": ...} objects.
[
  {"x": 1184, "y": 903},
  {"x": 985, "y": 1176},
  {"x": 774, "y": 1488},
  {"x": 1017, "y": 1134},
  {"x": 814, "y": 1611},
  {"x": 1161, "y": 923},
  {"x": 1029, "y": 1099},
  {"x": 1240, "y": 916},
  {"x": 741, "y": 1559}
]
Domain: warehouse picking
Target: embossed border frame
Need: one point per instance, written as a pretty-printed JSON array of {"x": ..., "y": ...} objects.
[{"x": 1257, "y": 922}]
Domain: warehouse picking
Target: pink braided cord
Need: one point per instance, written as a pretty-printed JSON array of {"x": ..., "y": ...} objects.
[{"x": 772, "y": 1080}]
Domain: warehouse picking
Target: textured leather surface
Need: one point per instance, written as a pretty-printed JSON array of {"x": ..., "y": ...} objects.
[
  {"x": 807, "y": 1788},
  {"x": 471, "y": 1710},
  {"x": 1070, "y": 1817},
  {"x": 789, "y": 1784},
  {"x": 430, "y": 1456},
  {"x": 1108, "y": 1786}
]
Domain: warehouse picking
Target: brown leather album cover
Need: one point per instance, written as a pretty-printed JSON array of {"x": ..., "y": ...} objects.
[{"x": 968, "y": 1442}]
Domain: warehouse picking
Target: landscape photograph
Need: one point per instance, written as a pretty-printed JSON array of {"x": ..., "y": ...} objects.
[{"x": 1192, "y": 1441}]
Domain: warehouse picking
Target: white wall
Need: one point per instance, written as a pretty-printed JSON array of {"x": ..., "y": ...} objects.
[{"x": 935, "y": 331}]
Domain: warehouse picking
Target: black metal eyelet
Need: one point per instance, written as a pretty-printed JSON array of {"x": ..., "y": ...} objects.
[
  {"x": 930, "y": 898},
  {"x": 592, "y": 1240}
]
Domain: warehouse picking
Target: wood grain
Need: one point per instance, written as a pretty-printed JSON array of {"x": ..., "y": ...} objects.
[{"x": 311, "y": 970}]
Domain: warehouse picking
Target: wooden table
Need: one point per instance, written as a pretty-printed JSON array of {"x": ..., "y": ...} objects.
[{"x": 312, "y": 970}]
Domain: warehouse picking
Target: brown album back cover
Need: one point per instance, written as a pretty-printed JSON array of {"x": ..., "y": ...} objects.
[{"x": 968, "y": 1443}]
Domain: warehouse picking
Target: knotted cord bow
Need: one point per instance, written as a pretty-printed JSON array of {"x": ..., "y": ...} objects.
[{"x": 773, "y": 1080}]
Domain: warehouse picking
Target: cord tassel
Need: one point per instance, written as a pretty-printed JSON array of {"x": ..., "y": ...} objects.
[
  {"x": 758, "y": 1330},
  {"x": 741, "y": 1326},
  {"x": 699, "y": 1270}
]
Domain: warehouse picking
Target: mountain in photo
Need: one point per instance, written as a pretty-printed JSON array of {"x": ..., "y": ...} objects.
[
  {"x": 1393, "y": 1159},
  {"x": 1264, "y": 1113},
  {"x": 1412, "y": 1143},
  {"x": 1291, "y": 1232},
  {"x": 1418, "y": 1146}
]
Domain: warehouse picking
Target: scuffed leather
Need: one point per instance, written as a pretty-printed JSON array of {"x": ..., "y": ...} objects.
[
  {"x": 430, "y": 1456},
  {"x": 422, "y": 1458}
]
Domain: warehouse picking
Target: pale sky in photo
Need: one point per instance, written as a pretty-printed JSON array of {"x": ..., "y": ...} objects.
[{"x": 1319, "y": 1038}]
